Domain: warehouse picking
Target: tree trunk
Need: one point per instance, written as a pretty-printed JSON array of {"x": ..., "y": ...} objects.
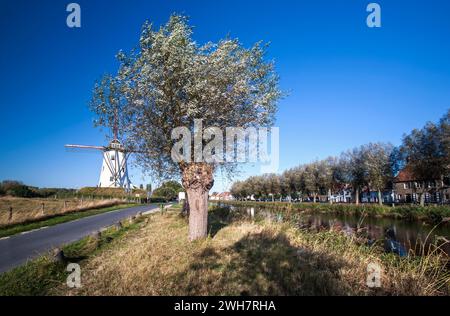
[
  {"x": 329, "y": 197},
  {"x": 197, "y": 180},
  {"x": 422, "y": 199},
  {"x": 357, "y": 196},
  {"x": 185, "y": 210},
  {"x": 380, "y": 200},
  {"x": 314, "y": 197}
]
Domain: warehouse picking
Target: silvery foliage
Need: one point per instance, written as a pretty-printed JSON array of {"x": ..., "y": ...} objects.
[
  {"x": 369, "y": 164},
  {"x": 170, "y": 80},
  {"x": 378, "y": 165}
]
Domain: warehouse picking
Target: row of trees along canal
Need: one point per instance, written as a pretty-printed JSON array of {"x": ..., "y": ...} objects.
[
  {"x": 425, "y": 151},
  {"x": 168, "y": 81}
]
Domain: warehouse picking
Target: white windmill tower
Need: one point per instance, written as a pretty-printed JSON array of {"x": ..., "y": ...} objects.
[{"x": 114, "y": 171}]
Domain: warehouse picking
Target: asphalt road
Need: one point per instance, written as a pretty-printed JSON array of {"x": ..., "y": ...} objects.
[{"x": 17, "y": 249}]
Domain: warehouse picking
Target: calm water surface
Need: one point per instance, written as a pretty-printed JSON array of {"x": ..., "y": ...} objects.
[{"x": 397, "y": 236}]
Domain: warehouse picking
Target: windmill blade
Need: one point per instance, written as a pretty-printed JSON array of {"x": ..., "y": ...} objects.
[{"x": 83, "y": 147}]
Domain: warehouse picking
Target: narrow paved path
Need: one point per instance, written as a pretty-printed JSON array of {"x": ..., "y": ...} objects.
[{"x": 16, "y": 250}]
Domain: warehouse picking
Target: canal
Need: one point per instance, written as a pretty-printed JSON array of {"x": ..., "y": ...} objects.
[{"x": 395, "y": 235}]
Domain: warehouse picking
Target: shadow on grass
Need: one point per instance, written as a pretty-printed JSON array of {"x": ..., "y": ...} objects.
[
  {"x": 261, "y": 263},
  {"x": 218, "y": 218}
]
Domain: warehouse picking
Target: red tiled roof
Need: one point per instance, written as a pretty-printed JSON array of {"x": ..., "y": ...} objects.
[{"x": 405, "y": 175}]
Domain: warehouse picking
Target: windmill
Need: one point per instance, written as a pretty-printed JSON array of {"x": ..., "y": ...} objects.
[{"x": 114, "y": 171}]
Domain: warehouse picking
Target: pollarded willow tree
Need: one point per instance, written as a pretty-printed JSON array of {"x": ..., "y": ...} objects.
[
  {"x": 168, "y": 82},
  {"x": 378, "y": 164}
]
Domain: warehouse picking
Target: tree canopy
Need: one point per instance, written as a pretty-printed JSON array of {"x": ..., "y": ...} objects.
[
  {"x": 170, "y": 80},
  {"x": 168, "y": 190}
]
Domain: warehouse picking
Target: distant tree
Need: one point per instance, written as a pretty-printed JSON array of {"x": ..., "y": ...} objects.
[
  {"x": 165, "y": 193},
  {"x": 148, "y": 187},
  {"x": 141, "y": 186},
  {"x": 426, "y": 154},
  {"x": 354, "y": 162},
  {"x": 397, "y": 160},
  {"x": 444, "y": 131},
  {"x": 168, "y": 190},
  {"x": 285, "y": 187},
  {"x": 170, "y": 81},
  {"x": 379, "y": 167},
  {"x": 313, "y": 179},
  {"x": 425, "y": 151},
  {"x": 325, "y": 177},
  {"x": 255, "y": 186},
  {"x": 238, "y": 190},
  {"x": 174, "y": 185},
  {"x": 271, "y": 185},
  {"x": 331, "y": 177},
  {"x": 16, "y": 189}
]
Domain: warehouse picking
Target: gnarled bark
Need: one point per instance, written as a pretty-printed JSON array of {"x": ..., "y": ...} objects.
[
  {"x": 185, "y": 210},
  {"x": 197, "y": 179}
]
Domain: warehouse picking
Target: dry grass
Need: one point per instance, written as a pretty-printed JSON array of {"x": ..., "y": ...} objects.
[
  {"x": 26, "y": 210},
  {"x": 245, "y": 258}
]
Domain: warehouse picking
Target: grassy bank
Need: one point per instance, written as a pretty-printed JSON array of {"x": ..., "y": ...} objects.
[
  {"x": 52, "y": 220},
  {"x": 239, "y": 258},
  {"x": 44, "y": 275},
  {"x": 432, "y": 214}
]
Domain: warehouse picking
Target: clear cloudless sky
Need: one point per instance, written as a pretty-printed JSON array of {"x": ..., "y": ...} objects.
[{"x": 348, "y": 84}]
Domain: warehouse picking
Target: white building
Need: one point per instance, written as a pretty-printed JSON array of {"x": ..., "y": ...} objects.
[{"x": 114, "y": 172}]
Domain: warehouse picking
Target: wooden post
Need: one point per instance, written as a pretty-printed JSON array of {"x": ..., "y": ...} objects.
[
  {"x": 97, "y": 236},
  {"x": 42, "y": 210},
  {"x": 58, "y": 255},
  {"x": 65, "y": 205},
  {"x": 10, "y": 214}
]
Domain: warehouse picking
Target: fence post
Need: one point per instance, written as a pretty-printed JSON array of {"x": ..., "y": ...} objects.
[
  {"x": 10, "y": 214},
  {"x": 65, "y": 205},
  {"x": 42, "y": 211}
]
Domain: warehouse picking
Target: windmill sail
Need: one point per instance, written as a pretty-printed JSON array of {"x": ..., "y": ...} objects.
[{"x": 114, "y": 170}]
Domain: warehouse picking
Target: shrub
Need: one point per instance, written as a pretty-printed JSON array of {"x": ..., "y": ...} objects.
[{"x": 16, "y": 188}]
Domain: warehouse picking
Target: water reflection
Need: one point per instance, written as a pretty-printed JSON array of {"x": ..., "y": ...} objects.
[{"x": 397, "y": 236}]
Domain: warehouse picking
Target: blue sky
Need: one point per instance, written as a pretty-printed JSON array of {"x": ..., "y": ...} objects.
[{"x": 348, "y": 84}]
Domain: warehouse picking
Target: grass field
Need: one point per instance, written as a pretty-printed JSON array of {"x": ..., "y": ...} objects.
[
  {"x": 154, "y": 257},
  {"x": 26, "y": 210},
  {"x": 58, "y": 219}
]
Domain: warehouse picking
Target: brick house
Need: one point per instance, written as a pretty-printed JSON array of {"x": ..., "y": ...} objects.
[
  {"x": 224, "y": 196},
  {"x": 407, "y": 188}
]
